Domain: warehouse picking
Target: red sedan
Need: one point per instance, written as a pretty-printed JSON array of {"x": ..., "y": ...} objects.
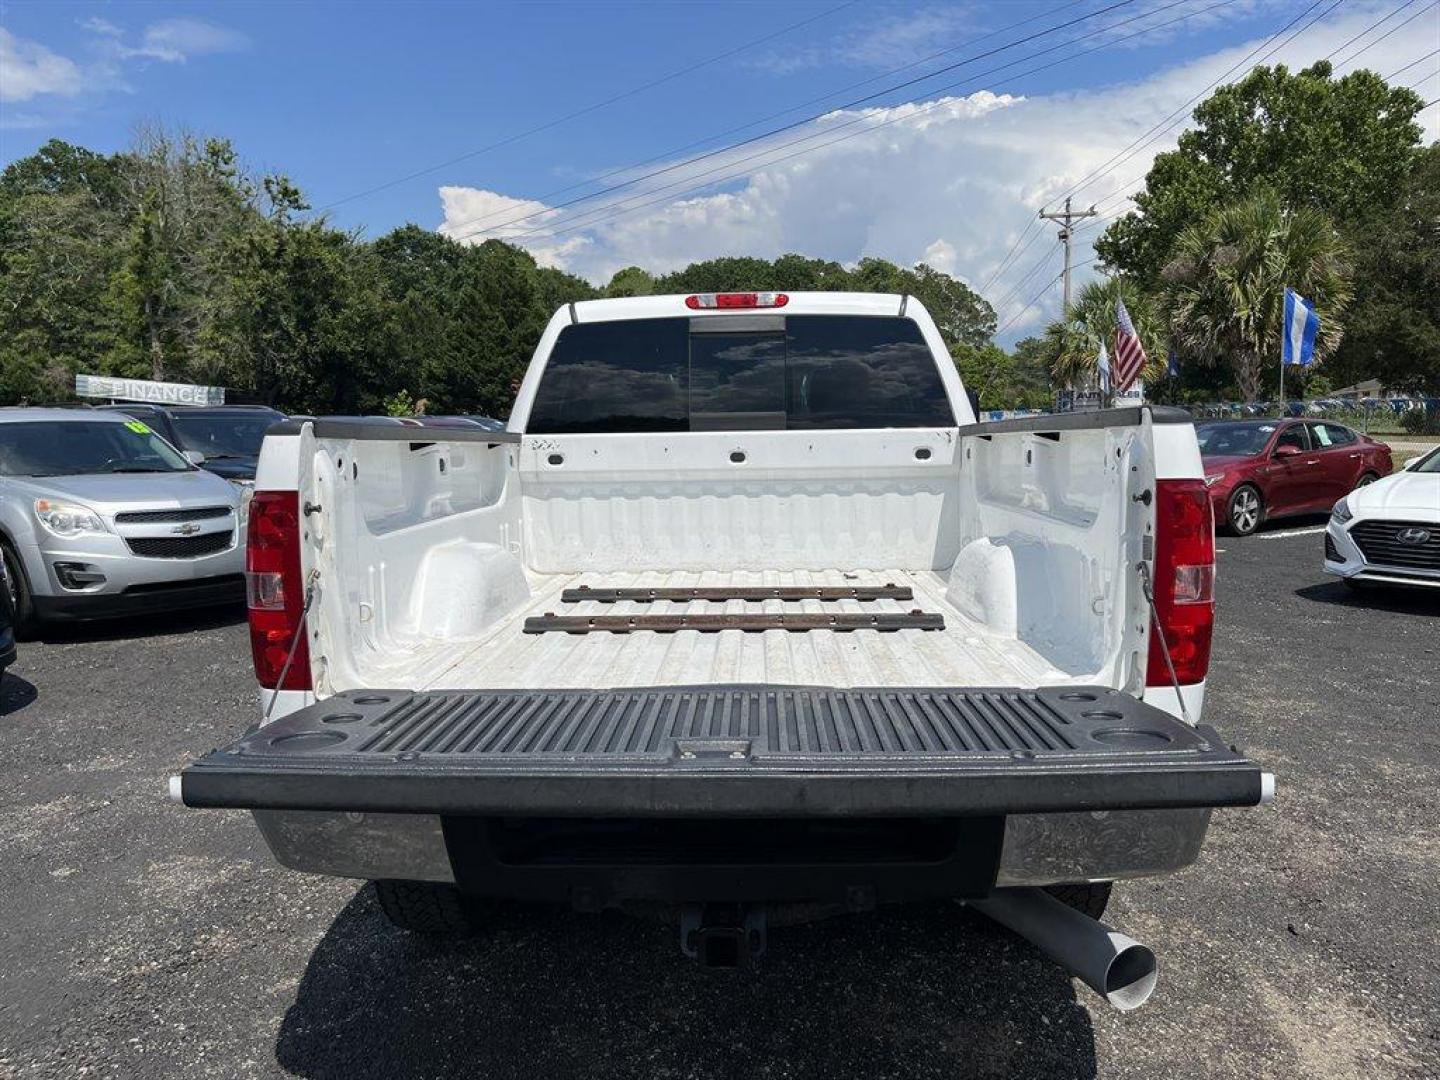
[{"x": 1262, "y": 469}]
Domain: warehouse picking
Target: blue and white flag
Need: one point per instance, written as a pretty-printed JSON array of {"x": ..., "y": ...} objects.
[
  {"x": 1172, "y": 363},
  {"x": 1103, "y": 363},
  {"x": 1301, "y": 326}
]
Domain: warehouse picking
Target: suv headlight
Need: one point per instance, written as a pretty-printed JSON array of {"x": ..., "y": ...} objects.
[
  {"x": 1341, "y": 512},
  {"x": 246, "y": 490},
  {"x": 67, "y": 519}
]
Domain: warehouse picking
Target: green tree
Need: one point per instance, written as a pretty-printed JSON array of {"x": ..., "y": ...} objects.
[
  {"x": 964, "y": 317},
  {"x": 1071, "y": 345},
  {"x": 1341, "y": 146},
  {"x": 307, "y": 308},
  {"x": 1032, "y": 374},
  {"x": 1225, "y": 288},
  {"x": 1394, "y": 325},
  {"x": 1003, "y": 380},
  {"x": 631, "y": 281},
  {"x": 62, "y": 220},
  {"x": 183, "y": 200}
]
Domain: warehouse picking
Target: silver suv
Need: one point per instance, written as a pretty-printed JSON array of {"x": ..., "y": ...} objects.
[{"x": 100, "y": 516}]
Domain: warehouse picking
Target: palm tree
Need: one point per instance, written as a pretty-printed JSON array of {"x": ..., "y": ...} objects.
[
  {"x": 1225, "y": 285},
  {"x": 1072, "y": 344}
]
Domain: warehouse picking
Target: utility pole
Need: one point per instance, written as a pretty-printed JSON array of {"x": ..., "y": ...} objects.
[{"x": 1067, "y": 218}]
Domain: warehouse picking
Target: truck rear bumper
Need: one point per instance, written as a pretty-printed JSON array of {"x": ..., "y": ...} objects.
[
  {"x": 726, "y": 752},
  {"x": 1037, "y": 849}
]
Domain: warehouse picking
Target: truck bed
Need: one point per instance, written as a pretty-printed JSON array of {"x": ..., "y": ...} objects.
[{"x": 962, "y": 654}]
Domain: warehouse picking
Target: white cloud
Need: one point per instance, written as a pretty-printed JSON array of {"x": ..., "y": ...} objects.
[
  {"x": 942, "y": 256},
  {"x": 953, "y": 182},
  {"x": 176, "y": 40},
  {"x": 473, "y": 216},
  {"x": 28, "y": 69},
  {"x": 60, "y": 87},
  {"x": 886, "y": 41},
  {"x": 103, "y": 27}
]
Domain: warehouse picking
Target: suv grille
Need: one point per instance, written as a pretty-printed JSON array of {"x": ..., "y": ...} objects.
[
  {"x": 1380, "y": 543},
  {"x": 194, "y": 513},
  {"x": 179, "y": 547}
]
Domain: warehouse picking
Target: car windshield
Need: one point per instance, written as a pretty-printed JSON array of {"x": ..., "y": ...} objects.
[
  {"x": 83, "y": 447},
  {"x": 1240, "y": 439},
  {"x": 221, "y": 435},
  {"x": 1430, "y": 464}
]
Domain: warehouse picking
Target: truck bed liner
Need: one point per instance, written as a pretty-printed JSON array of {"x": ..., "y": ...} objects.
[
  {"x": 726, "y": 751},
  {"x": 964, "y": 653}
]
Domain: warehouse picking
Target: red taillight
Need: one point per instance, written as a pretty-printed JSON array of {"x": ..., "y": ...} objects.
[
  {"x": 1184, "y": 582},
  {"x": 736, "y": 300},
  {"x": 275, "y": 590}
]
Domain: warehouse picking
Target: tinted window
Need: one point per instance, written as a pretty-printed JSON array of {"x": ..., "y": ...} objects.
[
  {"x": 80, "y": 447},
  {"x": 1231, "y": 438},
  {"x": 218, "y": 435},
  {"x": 1324, "y": 435},
  {"x": 848, "y": 372},
  {"x": 770, "y": 372},
  {"x": 737, "y": 381},
  {"x": 1294, "y": 435},
  {"x": 616, "y": 376}
]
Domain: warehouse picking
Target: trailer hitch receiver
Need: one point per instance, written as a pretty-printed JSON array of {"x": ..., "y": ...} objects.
[{"x": 722, "y": 935}]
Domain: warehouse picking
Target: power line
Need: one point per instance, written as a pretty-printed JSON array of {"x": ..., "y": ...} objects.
[
  {"x": 798, "y": 123},
  {"x": 1122, "y": 193},
  {"x": 1120, "y": 157},
  {"x": 508, "y": 140},
  {"x": 1036, "y": 298},
  {"x": 1015, "y": 252},
  {"x": 668, "y": 154},
  {"x": 1372, "y": 26},
  {"x": 1031, "y": 303},
  {"x": 1023, "y": 282},
  {"x": 1398, "y": 26},
  {"x": 1163, "y": 127},
  {"x": 611, "y": 211},
  {"x": 1169, "y": 122},
  {"x": 1407, "y": 67}
]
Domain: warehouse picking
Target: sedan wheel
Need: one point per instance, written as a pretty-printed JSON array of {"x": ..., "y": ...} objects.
[{"x": 1245, "y": 511}]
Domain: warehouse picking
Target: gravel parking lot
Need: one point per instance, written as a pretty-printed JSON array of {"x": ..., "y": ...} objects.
[{"x": 143, "y": 939}]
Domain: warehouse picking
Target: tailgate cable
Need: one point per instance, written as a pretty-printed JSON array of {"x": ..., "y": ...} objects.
[
  {"x": 294, "y": 641},
  {"x": 1149, "y": 587}
]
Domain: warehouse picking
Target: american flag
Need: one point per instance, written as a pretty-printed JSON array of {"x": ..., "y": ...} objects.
[{"x": 1129, "y": 353}]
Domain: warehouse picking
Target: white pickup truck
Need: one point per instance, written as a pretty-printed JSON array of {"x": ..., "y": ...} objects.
[{"x": 743, "y": 618}]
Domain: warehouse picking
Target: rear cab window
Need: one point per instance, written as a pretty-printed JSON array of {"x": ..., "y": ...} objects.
[{"x": 740, "y": 373}]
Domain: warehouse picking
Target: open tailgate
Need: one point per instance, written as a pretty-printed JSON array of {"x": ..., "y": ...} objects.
[{"x": 736, "y": 751}]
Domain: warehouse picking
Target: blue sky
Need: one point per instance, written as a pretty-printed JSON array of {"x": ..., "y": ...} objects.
[{"x": 348, "y": 97}]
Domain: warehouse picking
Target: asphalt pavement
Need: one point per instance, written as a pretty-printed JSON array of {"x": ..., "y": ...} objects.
[{"x": 141, "y": 939}]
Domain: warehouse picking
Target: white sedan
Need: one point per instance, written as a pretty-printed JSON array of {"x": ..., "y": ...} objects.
[{"x": 1388, "y": 533}]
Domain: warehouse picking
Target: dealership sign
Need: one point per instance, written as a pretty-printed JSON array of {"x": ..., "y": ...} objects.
[{"x": 153, "y": 393}]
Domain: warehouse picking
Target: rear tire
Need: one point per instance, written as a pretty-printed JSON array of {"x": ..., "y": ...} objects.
[
  {"x": 428, "y": 907},
  {"x": 1087, "y": 897},
  {"x": 1366, "y": 480},
  {"x": 1245, "y": 510}
]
